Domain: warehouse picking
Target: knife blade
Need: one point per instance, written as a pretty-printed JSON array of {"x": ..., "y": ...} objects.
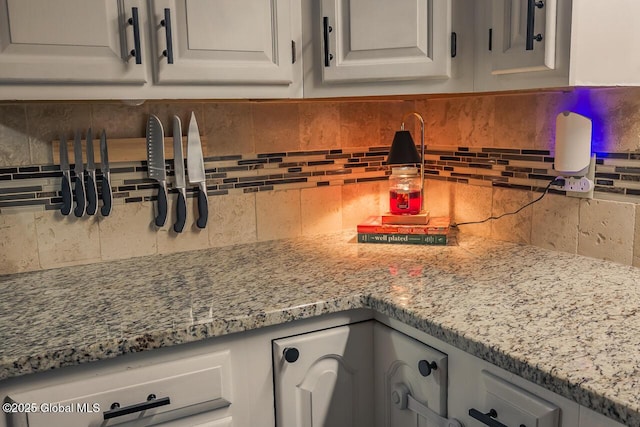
[
  {"x": 107, "y": 197},
  {"x": 92, "y": 188},
  {"x": 195, "y": 166},
  {"x": 181, "y": 184},
  {"x": 79, "y": 169},
  {"x": 155, "y": 161},
  {"x": 67, "y": 198}
]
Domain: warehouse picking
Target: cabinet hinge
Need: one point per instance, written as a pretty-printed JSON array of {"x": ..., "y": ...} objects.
[
  {"x": 293, "y": 52},
  {"x": 490, "y": 39}
]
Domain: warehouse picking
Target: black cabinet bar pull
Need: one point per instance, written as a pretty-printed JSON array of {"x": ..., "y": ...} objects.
[
  {"x": 490, "y": 39},
  {"x": 152, "y": 402},
  {"x": 293, "y": 52},
  {"x": 326, "y": 30},
  {"x": 454, "y": 44},
  {"x": 136, "y": 35},
  {"x": 166, "y": 23},
  {"x": 487, "y": 419},
  {"x": 531, "y": 19}
]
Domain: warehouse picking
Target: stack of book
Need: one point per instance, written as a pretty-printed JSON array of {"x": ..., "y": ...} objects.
[{"x": 385, "y": 229}]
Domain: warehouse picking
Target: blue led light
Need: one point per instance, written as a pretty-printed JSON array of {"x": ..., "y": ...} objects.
[{"x": 591, "y": 103}]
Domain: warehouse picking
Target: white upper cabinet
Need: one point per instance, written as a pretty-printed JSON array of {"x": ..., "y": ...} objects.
[
  {"x": 136, "y": 49},
  {"x": 223, "y": 41},
  {"x": 71, "y": 41},
  {"x": 523, "y": 36},
  {"x": 379, "y": 40},
  {"x": 522, "y": 44},
  {"x": 378, "y": 47},
  {"x": 190, "y": 49}
]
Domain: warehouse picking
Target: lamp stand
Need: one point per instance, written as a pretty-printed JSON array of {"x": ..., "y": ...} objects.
[{"x": 413, "y": 113}]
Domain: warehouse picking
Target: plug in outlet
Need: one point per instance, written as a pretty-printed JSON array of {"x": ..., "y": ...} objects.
[{"x": 577, "y": 186}]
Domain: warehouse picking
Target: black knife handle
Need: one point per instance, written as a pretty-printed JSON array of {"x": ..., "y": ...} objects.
[
  {"x": 67, "y": 198},
  {"x": 162, "y": 204},
  {"x": 203, "y": 206},
  {"x": 80, "y": 197},
  {"x": 166, "y": 23},
  {"x": 92, "y": 194},
  {"x": 136, "y": 35},
  {"x": 181, "y": 210},
  {"x": 107, "y": 198}
]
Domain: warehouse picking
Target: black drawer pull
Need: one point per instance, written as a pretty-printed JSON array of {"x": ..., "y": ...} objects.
[
  {"x": 152, "y": 402},
  {"x": 136, "y": 35},
  {"x": 326, "y": 29},
  {"x": 531, "y": 12},
  {"x": 166, "y": 23},
  {"x": 488, "y": 418},
  {"x": 454, "y": 44}
]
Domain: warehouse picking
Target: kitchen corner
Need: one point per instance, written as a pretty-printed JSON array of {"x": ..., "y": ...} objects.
[
  {"x": 241, "y": 296},
  {"x": 515, "y": 306}
]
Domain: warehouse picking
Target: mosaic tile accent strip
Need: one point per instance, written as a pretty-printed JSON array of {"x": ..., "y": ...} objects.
[{"x": 37, "y": 188}]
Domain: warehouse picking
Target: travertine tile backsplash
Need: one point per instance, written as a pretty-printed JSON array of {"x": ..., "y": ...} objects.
[{"x": 607, "y": 227}]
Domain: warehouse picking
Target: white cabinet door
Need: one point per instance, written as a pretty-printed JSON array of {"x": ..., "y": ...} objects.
[
  {"x": 380, "y": 40},
  {"x": 503, "y": 58},
  {"x": 401, "y": 360},
  {"x": 324, "y": 378},
  {"x": 223, "y": 41},
  {"x": 523, "y": 36},
  {"x": 70, "y": 41}
]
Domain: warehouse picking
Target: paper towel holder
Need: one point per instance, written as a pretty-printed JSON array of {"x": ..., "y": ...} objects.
[{"x": 573, "y": 160}]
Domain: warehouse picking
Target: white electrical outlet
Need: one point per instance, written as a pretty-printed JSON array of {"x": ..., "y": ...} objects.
[
  {"x": 575, "y": 184},
  {"x": 579, "y": 186}
]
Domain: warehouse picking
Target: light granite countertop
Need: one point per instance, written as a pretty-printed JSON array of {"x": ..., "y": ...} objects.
[{"x": 568, "y": 323}]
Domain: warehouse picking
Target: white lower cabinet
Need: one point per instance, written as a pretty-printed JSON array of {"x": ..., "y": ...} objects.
[
  {"x": 410, "y": 381},
  {"x": 196, "y": 390},
  {"x": 358, "y": 375},
  {"x": 339, "y": 370},
  {"x": 325, "y": 378}
]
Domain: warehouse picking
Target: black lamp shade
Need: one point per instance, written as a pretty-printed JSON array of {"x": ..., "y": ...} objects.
[{"x": 403, "y": 150}]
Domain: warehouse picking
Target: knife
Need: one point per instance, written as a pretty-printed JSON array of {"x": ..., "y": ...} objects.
[
  {"x": 79, "y": 169},
  {"x": 181, "y": 184},
  {"x": 107, "y": 198},
  {"x": 195, "y": 165},
  {"x": 92, "y": 189},
  {"x": 155, "y": 161},
  {"x": 66, "y": 177}
]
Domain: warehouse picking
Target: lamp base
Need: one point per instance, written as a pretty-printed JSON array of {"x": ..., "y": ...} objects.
[{"x": 421, "y": 218}]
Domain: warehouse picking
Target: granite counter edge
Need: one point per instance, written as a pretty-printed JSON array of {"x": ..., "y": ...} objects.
[{"x": 114, "y": 347}]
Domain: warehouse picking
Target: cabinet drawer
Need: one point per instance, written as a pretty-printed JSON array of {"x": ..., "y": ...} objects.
[
  {"x": 149, "y": 395},
  {"x": 511, "y": 405}
]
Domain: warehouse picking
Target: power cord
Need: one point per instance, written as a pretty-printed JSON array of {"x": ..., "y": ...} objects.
[{"x": 557, "y": 181}]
